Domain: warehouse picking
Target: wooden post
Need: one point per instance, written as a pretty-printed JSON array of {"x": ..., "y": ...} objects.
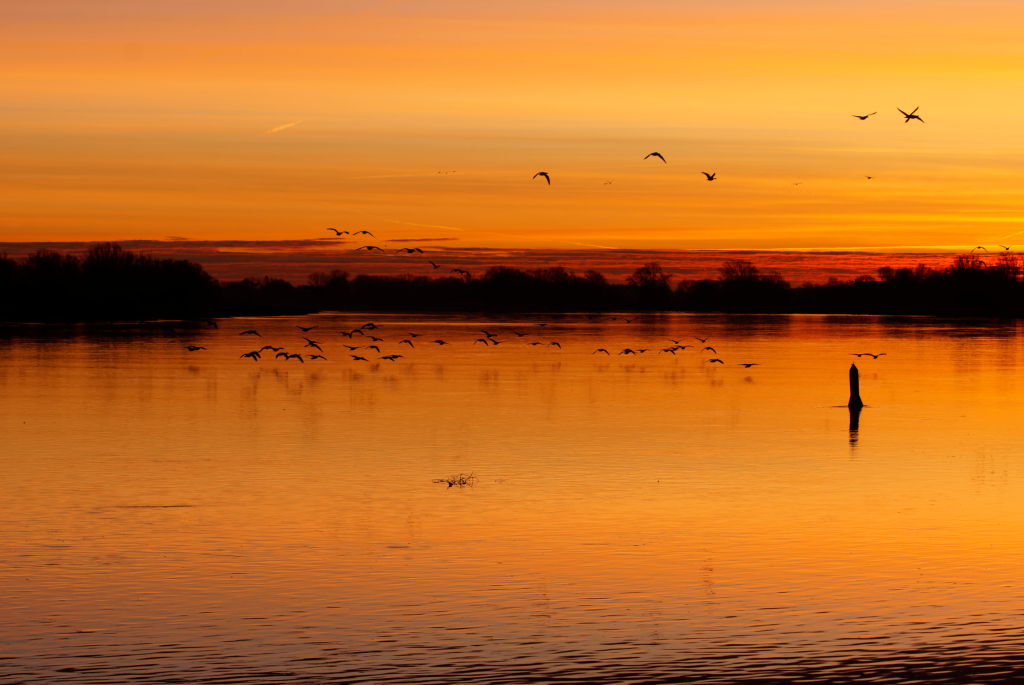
[{"x": 855, "y": 401}]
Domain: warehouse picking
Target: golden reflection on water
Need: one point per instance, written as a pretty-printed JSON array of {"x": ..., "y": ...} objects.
[{"x": 173, "y": 513}]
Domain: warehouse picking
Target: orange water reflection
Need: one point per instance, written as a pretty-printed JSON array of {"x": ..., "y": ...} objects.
[{"x": 169, "y": 513}]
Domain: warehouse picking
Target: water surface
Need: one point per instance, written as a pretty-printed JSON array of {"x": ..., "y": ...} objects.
[{"x": 196, "y": 517}]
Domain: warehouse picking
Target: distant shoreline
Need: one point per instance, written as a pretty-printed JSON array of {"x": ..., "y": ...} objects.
[{"x": 110, "y": 283}]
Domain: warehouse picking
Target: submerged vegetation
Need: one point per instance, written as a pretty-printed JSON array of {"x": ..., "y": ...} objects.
[{"x": 111, "y": 283}]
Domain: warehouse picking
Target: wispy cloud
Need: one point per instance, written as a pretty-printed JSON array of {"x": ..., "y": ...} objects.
[
  {"x": 418, "y": 240},
  {"x": 282, "y": 127}
]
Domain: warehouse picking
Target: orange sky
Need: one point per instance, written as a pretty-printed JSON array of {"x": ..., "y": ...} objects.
[{"x": 121, "y": 122}]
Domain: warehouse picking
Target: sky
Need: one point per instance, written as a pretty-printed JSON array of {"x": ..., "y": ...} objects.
[{"x": 426, "y": 120}]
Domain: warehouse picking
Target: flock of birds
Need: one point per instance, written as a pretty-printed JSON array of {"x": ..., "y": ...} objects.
[
  {"x": 368, "y": 335},
  {"x": 712, "y": 176}
]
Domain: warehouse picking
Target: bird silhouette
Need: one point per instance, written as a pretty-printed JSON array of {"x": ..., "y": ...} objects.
[
  {"x": 368, "y": 248},
  {"x": 441, "y": 342},
  {"x": 483, "y": 340},
  {"x": 489, "y": 335},
  {"x": 521, "y": 335},
  {"x": 535, "y": 343},
  {"x": 979, "y": 247},
  {"x": 250, "y": 332},
  {"x": 294, "y": 356},
  {"x": 869, "y": 177},
  {"x": 683, "y": 347},
  {"x": 193, "y": 348},
  {"x": 716, "y": 360},
  {"x": 601, "y": 349},
  {"x": 211, "y": 322},
  {"x": 356, "y": 357},
  {"x": 912, "y": 115},
  {"x": 359, "y": 331},
  {"x": 391, "y": 357},
  {"x": 658, "y": 155},
  {"x": 407, "y": 342},
  {"x": 436, "y": 266},
  {"x": 270, "y": 347},
  {"x": 281, "y": 354},
  {"x": 646, "y": 349},
  {"x": 460, "y": 271},
  {"x": 627, "y": 351},
  {"x": 376, "y": 339},
  {"x": 555, "y": 344},
  {"x": 317, "y": 356},
  {"x": 409, "y": 250},
  {"x": 372, "y": 326},
  {"x": 346, "y": 334},
  {"x": 710, "y": 348},
  {"x": 862, "y": 117},
  {"x": 364, "y": 233},
  {"x": 711, "y": 177},
  {"x": 544, "y": 174},
  {"x": 497, "y": 342},
  {"x": 254, "y": 355},
  {"x": 307, "y": 330},
  {"x": 669, "y": 349},
  {"x": 337, "y": 232},
  {"x": 755, "y": 364},
  {"x": 353, "y": 347},
  {"x": 702, "y": 340},
  {"x": 373, "y": 347},
  {"x": 1006, "y": 247},
  {"x": 413, "y": 335}
]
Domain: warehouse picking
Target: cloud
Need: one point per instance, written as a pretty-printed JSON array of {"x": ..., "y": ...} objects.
[
  {"x": 282, "y": 127},
  {"x": 418, "y": 240}
]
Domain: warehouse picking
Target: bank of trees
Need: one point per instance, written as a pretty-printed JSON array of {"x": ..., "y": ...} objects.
[{"x": 111, "y": 283}]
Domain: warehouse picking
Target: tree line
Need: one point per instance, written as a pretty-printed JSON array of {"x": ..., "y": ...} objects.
[{"x": 111, "y": 283}]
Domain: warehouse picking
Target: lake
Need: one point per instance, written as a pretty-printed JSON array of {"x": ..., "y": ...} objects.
[{"x": 196, "y": 517}]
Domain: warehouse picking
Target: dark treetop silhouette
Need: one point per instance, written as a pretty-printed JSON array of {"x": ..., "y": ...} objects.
[{"x": 110, "y": 283}]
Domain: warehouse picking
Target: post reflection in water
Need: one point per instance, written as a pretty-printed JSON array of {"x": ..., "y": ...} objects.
[{"x": 176, "y": 516}]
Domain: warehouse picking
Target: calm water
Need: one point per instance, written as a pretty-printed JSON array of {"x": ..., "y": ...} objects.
[{"x": 199, "y": 518}]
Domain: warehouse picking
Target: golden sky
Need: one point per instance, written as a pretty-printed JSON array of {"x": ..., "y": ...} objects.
[{"x": 259, "y": 120}]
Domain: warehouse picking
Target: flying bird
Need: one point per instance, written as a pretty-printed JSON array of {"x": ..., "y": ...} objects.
[
  {"x": 413, "y": 335},
  {"x": 483, "y": 340},
  {"x": 371, "y": 347},
  {"x": 407, "y": 342},
  {"x": 254, "y": 355},
  {"x": 211, "y": 322},
  {"x": 749, "y": 365},
  {"x": 658, "y": 155},
  {"x": 294, "y": 356},
  {"x": 367, "y": 248},
  {"x": 372, "y": 326},
  {"x": 337, "y": 232},
  {"x": 436, "y": 266},
  {"x": 352, "y": 347},
  {"x": 711, "y": 177},
  {"x": 251, "y": 333},
  {"x": 1006, "y": 247},
  {"x": 460, "y": 271},
  {"x": 364, "y": 233},
  {"x": 391, "y": 357},
  {"x": 193, "y": 348},
  {"x": 521, "y": 335},
  {"x": 912, "y": 115},
  {"x": 979, "y": 247},
  {"x": 627, "y": 351},
  {"x": 669, "y": 349},
  {"x": 441, "y": 342},
  {"x": 409, "y": 250},
  {"x": 555, "y": 344},
  {"x": 544, "y": 174},
  {"x": 702, "y": 340},
  {"x": 356, "y": 357},
  {"x": 862, "y": 117},
  {"x": 710, "y": 348},
  {"x": 317, "y": 356},
  {"x": 601, "y": 349},
  {"x": 535, "y": 343},
  {"x": 376, "y": 339},
  {"x": 716, "y": 360},
  {"x": 489, "y": 335},
  {"x": 281, "y": 354},
  {"x": 269, "y": 347},
  {"x": 307, "y": 330}
]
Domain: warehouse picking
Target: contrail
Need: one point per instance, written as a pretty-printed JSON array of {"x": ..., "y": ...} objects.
[{"x": 282, "y": 127}]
